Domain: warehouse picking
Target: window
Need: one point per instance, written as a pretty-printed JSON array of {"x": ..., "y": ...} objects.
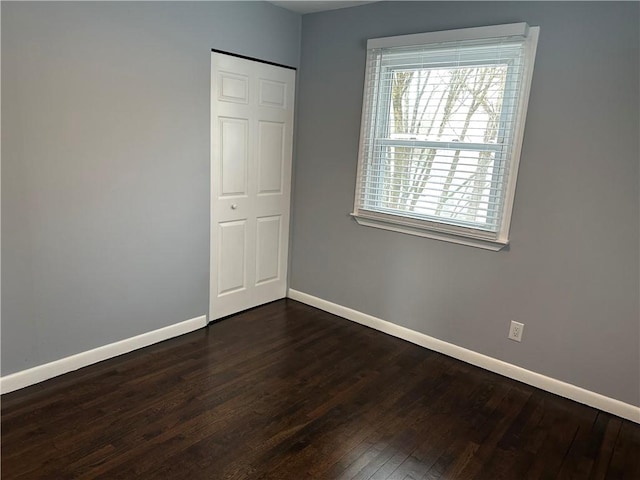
[{"x": 442, "y": 125}]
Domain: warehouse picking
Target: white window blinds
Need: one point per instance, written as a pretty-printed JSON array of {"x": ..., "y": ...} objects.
[{"x": 442, "y": 127}]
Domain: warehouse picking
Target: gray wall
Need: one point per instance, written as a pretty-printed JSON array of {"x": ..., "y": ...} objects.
[
  {"x": 105, "y": 159},
  {"x": 571, "y": 273}
]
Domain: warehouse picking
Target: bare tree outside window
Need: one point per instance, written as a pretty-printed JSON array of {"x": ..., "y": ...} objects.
[{"x": 453, "y": 105}]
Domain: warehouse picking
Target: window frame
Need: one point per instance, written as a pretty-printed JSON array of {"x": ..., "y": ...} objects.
[{"x": 428, "y": 226}]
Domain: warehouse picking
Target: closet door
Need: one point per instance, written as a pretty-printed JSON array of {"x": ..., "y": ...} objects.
[{"x": 252, "y": 105}]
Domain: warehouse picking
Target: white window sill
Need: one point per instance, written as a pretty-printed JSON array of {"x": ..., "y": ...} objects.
[{"x": 420, "y": 231}]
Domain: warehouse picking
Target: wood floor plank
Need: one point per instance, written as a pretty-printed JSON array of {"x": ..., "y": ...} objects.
[
  {"x": 606, "y": 430},
  {"x": 625, "y": 460},
  {"x": 286, "y": 391}
]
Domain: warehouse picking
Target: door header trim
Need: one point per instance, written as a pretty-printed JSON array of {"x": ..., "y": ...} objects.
[{"x": 254, "y": 59}]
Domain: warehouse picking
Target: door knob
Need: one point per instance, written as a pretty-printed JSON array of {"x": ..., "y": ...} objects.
[{"x": 234, "y": 206}]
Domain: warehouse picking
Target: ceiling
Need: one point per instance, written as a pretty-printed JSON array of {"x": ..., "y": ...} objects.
[{"x": 313, "y": 6}]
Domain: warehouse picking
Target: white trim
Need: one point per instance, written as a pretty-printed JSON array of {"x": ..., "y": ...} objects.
[
  {"x": 518, "y": 135},
  {"x": 460, "y": 34},
  {"x": 397, "y": 226},
  {"x": 40, "y": 373},
  {"x": 558, "y": 387},
  {"x": 213, "y": 146}
]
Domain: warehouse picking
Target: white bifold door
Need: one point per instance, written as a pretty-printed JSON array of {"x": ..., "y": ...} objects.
[{"x": 251, "y": 150}]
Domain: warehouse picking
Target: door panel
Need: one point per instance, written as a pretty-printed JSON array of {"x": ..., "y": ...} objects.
[
  {"x": 251, "y": 150},
  {"x": 273, "y": 94},
  {"x": 270, "y": 156},
  {"x": 233, "y": 87},
  {"x": 234, "y": 143},
  {"x": 232, "y": 255},
  {"x": 268, "y": 249}
]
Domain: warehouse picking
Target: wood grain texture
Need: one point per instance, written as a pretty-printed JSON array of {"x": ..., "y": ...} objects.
[{"x": 286, "y": 391}]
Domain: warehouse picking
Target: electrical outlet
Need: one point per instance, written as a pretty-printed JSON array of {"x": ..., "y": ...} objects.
[{"x": 516, "y": 331}]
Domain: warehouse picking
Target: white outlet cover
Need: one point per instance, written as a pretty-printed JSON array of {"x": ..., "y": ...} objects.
[{"x": 516, "y": 330}]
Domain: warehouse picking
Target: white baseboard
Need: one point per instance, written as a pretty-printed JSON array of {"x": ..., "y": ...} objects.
[
  {"x": 558, "y": 387},
  {"x": 38, "y": 374}
]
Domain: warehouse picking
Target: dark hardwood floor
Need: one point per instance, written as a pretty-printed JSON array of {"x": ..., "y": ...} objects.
[{"x": 286, "y": 391}]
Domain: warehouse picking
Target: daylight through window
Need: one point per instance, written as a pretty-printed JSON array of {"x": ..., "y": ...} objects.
[{"x": 443, "y": 121}]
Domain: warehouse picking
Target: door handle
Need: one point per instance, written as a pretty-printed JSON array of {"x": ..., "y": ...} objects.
[{"x": 234, "y": 206}]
